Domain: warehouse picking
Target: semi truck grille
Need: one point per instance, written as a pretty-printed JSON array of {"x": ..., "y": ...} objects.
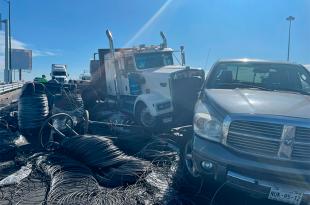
[
  {"x": 301, "y": 149},
  {"x": 255, "y": 137}
]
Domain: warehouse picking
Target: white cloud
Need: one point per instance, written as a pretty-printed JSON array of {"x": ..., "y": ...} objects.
[
  {"x": 21, "y": 45},
  {"x": 36, "y": 53}
]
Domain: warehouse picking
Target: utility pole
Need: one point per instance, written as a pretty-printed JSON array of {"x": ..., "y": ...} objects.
[
  {"x": 6, "y": 44},
  {"x": 10, "y": 42},
  {"x": 290, "y": 19}
]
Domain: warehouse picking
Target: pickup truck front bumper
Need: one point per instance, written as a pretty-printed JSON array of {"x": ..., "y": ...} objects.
[{"x": 254, "y": 175}]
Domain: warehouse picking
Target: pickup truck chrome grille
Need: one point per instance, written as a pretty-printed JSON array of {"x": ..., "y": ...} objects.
[
  {"x": 302, "y": 134},
  {"x": 301, "y": 148},
  {"x": 266, "y": 138},
  {"x": 261, "y": 138}
]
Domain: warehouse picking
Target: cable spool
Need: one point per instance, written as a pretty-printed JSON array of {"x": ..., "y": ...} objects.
[
  {"x": 32, "y": 110},
  {"x": 52, "y": 88}
]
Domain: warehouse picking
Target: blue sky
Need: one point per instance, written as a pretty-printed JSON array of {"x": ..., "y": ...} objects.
[{"x": 70, "y": 31}]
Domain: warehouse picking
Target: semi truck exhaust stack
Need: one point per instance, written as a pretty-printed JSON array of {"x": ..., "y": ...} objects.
[
  {"x": 182, "y": 55},
  {"x": 164, "y": 44},
  {"x": 109, "y": 35}
]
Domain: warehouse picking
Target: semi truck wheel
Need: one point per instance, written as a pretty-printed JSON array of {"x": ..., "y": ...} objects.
[{"x": 144, "y": 117}]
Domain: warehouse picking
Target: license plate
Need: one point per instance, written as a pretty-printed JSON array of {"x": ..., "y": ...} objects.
[
  {"x": 285, "y": 195},
  {"x": 167, "y": 120}
]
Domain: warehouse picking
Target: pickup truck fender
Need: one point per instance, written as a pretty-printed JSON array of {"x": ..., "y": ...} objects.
[{"x": 150, "y": 100}]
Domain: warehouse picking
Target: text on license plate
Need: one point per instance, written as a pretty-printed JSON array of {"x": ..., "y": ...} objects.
[{"x": 285, "y": 195}]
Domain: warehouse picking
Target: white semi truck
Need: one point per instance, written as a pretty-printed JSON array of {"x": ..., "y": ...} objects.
[
  {"x": 59, "y": 72},
  {"x": 144, "y": 82}
]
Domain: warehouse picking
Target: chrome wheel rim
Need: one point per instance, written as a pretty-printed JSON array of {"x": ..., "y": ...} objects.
[
  {"x": 146, "y": 118},
  {"x": 189, "y": 163}
]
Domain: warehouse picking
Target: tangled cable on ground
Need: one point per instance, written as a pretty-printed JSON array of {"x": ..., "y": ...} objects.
[
  {"x": 71, "y": 181},
  {"x": 30, "y": 190},
  {"x": 114, "y": 168}
]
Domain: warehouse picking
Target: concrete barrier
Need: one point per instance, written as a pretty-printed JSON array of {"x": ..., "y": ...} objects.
[{"x": 10, "y": 87}]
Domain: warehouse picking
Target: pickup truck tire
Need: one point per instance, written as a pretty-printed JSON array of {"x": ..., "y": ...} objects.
[
  {"x": 145, "y": 118},
  {"x": 189, "y": 182},
  {"x": 194, "y": 182},
  {"x": 188, "y": 163}
]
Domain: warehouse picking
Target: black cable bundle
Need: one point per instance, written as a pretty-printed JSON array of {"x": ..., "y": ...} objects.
[
  {"x": 32, "y": 110},
  {"x": 113, "y": 166},
  {"x": 129, "y": 138},
  {"x": 125, "y": 174},
  {"x": 68, "y": 101},
  {"x": 161, "y": 150},
  {"x": 96, "y": 152}
]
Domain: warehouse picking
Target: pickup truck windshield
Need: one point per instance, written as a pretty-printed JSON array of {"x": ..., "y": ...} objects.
[
  {"x": 264, "y": 76},
  {"x": 153, "y": 60},
  {"x": 59, "y": 73}
]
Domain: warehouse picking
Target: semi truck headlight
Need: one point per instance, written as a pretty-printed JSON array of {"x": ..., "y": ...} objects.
[{"x": 207, "y": 126}]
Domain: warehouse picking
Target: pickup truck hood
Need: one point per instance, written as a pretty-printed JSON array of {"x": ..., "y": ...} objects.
[{"x": 247, "y": 101}]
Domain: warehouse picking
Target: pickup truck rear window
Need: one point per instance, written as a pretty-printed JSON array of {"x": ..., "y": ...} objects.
[{"x": 265, "y": 76}]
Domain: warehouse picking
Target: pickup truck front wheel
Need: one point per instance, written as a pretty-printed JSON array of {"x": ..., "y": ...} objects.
[
  {"x": 190, "y": 181},
  {"x": 145, "y": 118},
  {"x": 190, "y": 167}
]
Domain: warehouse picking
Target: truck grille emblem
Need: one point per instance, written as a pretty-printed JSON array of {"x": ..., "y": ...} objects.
[{"x": 287, "y": 141}]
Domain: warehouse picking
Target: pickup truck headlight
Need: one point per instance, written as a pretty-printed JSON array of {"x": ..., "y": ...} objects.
[{"x": 205, "y": 125}]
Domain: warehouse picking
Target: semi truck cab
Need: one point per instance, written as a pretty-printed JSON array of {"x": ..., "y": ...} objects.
[
  {"x": 145, "y": 82},
  {"x": 59, "y": 73}
]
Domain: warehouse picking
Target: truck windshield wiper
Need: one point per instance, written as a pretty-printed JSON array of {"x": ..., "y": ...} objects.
[
  {"x": 245, "y": 85},
  {"x": 294, "y": 91}
]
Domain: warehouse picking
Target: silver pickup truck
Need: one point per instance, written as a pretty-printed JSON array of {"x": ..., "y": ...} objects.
[{"x": 252, "y": 129}]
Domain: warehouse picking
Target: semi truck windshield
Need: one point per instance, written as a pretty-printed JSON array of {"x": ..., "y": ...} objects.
[
  {"x": 59, "y": 73},
  {"x": 153, "y": 60}
]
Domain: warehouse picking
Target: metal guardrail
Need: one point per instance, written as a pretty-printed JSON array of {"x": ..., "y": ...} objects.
[{"x": 10, "y": 87}]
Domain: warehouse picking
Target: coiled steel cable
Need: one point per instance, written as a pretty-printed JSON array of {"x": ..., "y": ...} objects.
[
  {"x": 32, "y": 111},
  {"x": 71, "y": 181},
  {"x": 96, "y": 152},
  {"x": 115, "y": 167}
]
